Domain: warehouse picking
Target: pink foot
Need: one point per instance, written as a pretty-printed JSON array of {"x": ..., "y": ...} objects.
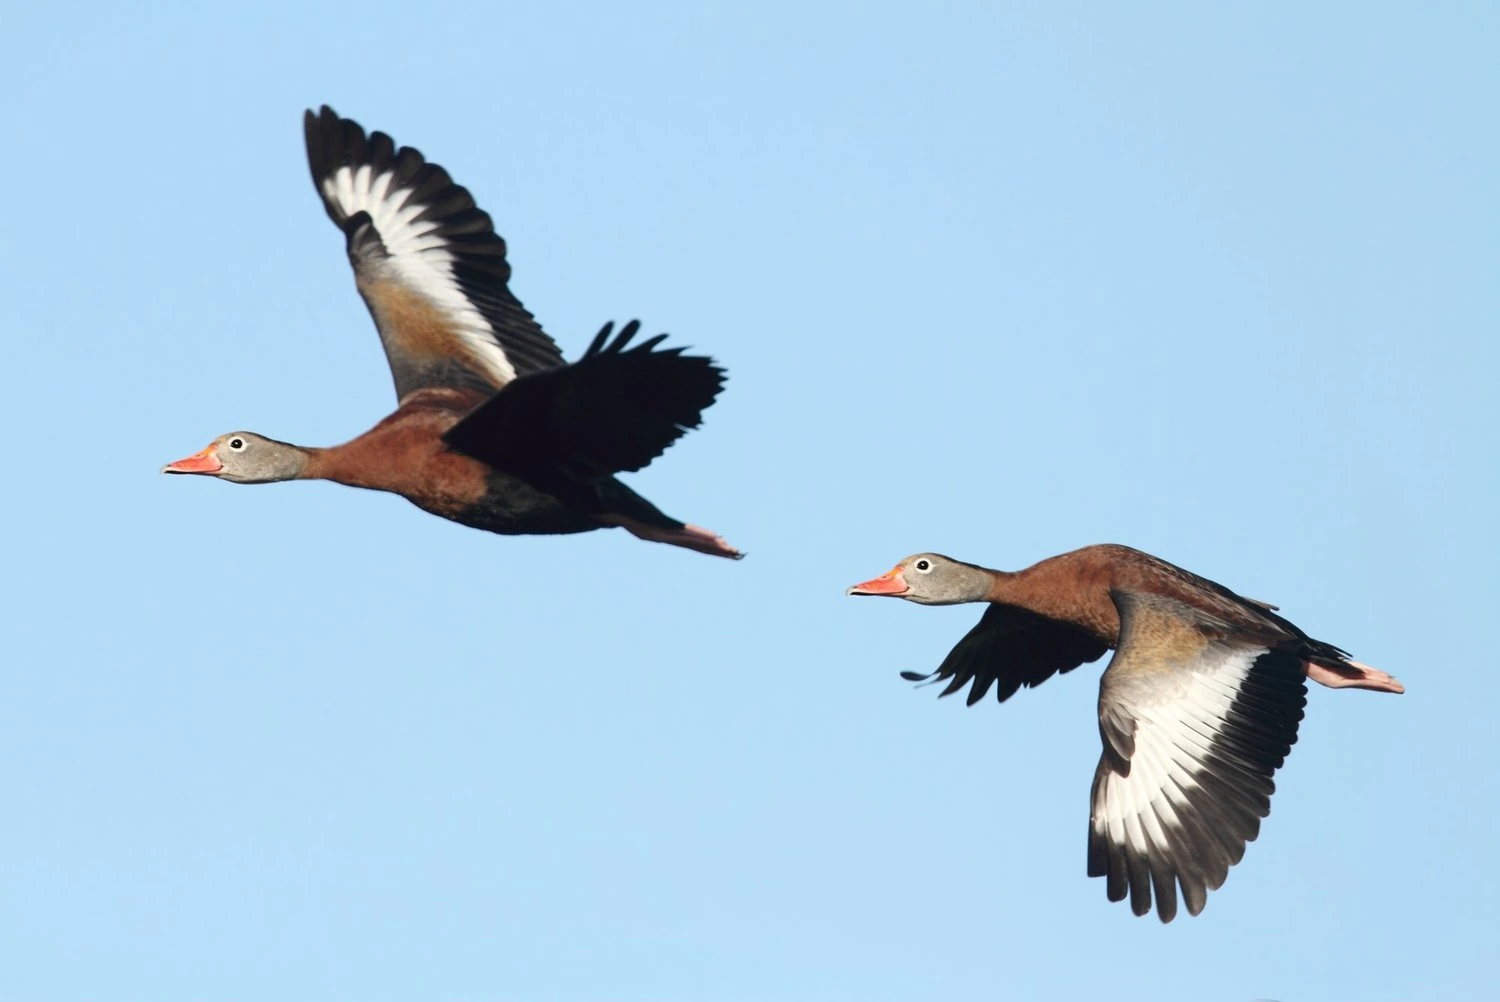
[
  {"x": 1353, "y": 675},
  {"x": 690, "y": 536}
]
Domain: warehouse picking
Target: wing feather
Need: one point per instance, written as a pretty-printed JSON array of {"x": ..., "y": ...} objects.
[
  {"x": 613, "y": 411},
  {"x": 427, "y": 261},
  {"x": 1195, "y": 717},
  {"x": 1011, "y": 647}
]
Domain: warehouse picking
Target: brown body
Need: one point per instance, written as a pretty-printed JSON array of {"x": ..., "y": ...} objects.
[
  {"x": 405, "y": 454},
  {"x": 1061, "y": 612},
  {"x": 1075, "y": 588}
]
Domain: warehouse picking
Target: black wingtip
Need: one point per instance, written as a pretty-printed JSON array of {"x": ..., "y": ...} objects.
[
  {"x": 914, "y": 676},
  {"x": 331, "y": 142},
  {"x": 603, "y": 345},
  {"x": 957, "y": 683},
  {"x": 599, "y": 339}
]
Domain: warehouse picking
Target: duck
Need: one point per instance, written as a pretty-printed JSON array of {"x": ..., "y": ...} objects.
[
  {"x": 493, "y": 429},
  {"x": 1198, "y": 707}
]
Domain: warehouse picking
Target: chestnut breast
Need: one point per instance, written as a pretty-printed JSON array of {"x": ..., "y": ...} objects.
[{"x": 405, "y": 454}]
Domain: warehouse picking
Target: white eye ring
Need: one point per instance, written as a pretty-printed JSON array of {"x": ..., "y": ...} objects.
[
  {"x": 923, "y": 566},
  {"x": 237, "y": 444}
]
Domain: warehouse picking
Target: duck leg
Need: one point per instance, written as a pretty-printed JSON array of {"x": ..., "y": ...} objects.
[
  {"x": 616, "y": 504},
  {"x": 689, "y": 536},
  {"x": 1352, "y": 675}
]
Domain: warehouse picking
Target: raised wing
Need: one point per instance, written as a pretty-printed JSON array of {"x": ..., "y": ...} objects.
[
  {"x": 1196, "y": 717},
  {"x": 613, "y": 411},
  {"x": 427, "y": 262},
  {"x": 1013, "y": 647}
]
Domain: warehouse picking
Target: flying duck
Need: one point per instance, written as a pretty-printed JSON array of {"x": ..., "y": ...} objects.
[
  {"x": 1198, "y": 708},
  {"x": 492, "y": 429}
]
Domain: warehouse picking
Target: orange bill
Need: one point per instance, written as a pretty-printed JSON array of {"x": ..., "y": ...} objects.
[
  {"x": 889, "y": 583},
  {"x": 199, "y": 462}
]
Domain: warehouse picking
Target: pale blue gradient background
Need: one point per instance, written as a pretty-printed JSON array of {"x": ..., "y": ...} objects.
[{"x": 1218, "y": 281}]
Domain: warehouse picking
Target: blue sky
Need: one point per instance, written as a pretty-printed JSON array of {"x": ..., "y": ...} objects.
[{"x": 997, "y": 280}]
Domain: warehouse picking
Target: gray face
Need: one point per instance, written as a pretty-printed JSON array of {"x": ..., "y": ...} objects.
[
  {"x": 933, "y": 579},
  {"x": 243, "y": 457},
  {"x": 930, "y": 579}
]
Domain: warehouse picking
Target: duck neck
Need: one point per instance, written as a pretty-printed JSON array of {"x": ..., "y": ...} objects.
[
  {"x": 1007, "y": 587},
  {"x": 325, "y": 464},
  {"x": 1047, "y": 589},
  {"x": 353, "y": 464}
]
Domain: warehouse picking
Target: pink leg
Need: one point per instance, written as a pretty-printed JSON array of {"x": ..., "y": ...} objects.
[
  {"x": 689, "y": 536},
  {"x": 1353, "y": 675}
]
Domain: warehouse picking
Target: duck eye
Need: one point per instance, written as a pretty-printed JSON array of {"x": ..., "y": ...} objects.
[
  {"x": 923, "y": 565},
  {"x": 237, "y": 444}
]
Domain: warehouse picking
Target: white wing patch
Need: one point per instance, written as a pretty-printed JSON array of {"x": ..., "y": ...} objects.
[
  {"x": 419, "y": 258},
  {"x": 1195, "y": 724},
  {"x": 1173, "y": 738}
]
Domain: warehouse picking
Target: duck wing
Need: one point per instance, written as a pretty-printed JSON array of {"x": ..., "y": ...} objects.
[
  {"x": 1011, "y": 647},
  {"x": 1196, "y": 715},
  {"x": 613, "y": 411},
  {"x": 427, "y": 261}
]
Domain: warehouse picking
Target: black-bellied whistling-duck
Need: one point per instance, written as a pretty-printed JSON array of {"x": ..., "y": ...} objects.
[
  {"x": 492, "y": 429},
  {"x": 1198, "y": 708}
]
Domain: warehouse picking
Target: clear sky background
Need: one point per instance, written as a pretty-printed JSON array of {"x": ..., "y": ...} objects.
[{"x": 999, "y": 280}]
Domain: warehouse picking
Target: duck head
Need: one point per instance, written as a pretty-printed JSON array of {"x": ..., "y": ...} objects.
[
  {"x": 930, "y": 579},
  {"x": 243, "y": 457}
]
